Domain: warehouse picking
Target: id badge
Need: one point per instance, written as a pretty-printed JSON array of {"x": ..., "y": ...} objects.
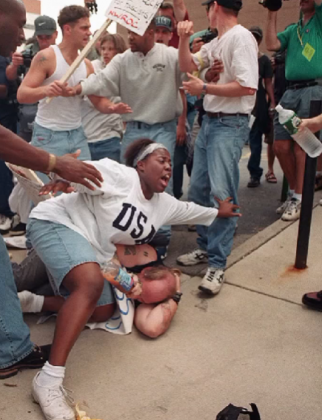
[{"x": 308, "y": 51}]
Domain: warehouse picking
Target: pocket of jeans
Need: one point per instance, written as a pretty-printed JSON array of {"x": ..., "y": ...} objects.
[{"x": 42, "y": 137}]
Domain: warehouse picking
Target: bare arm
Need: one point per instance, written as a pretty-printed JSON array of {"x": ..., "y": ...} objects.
[
  {"x": 268, "y": 83},
  {"x": 179, "y": 9},
  {"x": 186, "y": 63},
  {"x": 272, "y": 42},
  {"x": 154, "y": 321},
  {"x": 30, "y": 90},
  {"x": 12, "y": 69},
  {"x": 15, "y": 150},
  {"x": 106, "y": 106},
  {"x": 230, "y": 90},
  {"x": 181, "y": 128}
]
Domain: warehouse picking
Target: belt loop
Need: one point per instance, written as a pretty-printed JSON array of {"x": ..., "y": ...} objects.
[{"x": 139, "y": 125}]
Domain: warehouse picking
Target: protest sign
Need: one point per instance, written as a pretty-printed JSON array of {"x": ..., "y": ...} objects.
[{"x": 135, "y": 15}]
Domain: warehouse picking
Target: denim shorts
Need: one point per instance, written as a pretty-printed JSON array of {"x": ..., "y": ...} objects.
[
  {"x": 61, "y": 142},
  {"x": 61, "y": 249},
  {"x": 298, "y": 100}
]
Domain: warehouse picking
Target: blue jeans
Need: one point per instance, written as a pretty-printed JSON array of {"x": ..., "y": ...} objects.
[
  {"x": 60, "y": 143},
  {"x": 15, "y": 342},
  {"x": 165, "y": 133},
  {"x": 215, "y": 173},
  {"x": 110, "y": 148},
  {"x": 255, "y": 144}
]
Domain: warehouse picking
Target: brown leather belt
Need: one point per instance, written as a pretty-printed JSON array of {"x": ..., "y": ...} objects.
[{"x": 224, "y": 114}]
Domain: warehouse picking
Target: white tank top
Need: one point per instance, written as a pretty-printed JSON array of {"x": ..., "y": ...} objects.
[{"x": 62, "y": 114}]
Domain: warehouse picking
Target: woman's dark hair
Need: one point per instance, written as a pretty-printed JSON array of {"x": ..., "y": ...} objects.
[{"x": 134, "y": 149}]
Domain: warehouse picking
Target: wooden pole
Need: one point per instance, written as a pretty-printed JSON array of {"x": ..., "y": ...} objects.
[{"x": 83, "y": 54}]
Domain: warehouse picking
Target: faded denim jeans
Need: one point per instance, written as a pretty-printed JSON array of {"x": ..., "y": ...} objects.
[{"x": 215, "y": 173}]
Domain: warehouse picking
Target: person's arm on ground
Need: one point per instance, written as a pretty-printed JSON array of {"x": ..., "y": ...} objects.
[
  {"x": 181, "y": 127},
  {"x": 186, "y": 62},
  {"x": 154, "y": 320},
  {"x": 272, "y": 42},
  {"x": 15, "y": 150},
  {"x": 180, "y": 10},
  {"x": 12, "y": 69},
  {"x": 31, "y": 91}
]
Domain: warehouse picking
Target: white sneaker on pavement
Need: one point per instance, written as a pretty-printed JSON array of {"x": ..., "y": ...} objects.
[
  {"x": 54, "y": 401},
  {"x": 5, "y": 223},
  {"x": 212, "y": 281},
  {"x": 194, "y": 257},
  {"x": 293, "y": 211},
  {"x": 281, "y": 209}
]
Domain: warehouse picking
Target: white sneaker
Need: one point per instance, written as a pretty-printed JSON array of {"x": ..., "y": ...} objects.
[
  {"x": 54, "y": 402},
  {"x": 281, "y": 209},
  {"x": 293, "y": 211},
  {"x": 212, "y": 281},
  {"x": 5, "y": 223},
  {"x": 194, "y": 257}
]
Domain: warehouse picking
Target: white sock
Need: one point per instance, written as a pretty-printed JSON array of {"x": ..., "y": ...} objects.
[
  {"x": 30, "y": 302},
  {"x": 318, "y": 173},
  {"x": 51, "y": 376},
  {"x": 291, "y": 193},
  {"x": 297, "y": 196}
]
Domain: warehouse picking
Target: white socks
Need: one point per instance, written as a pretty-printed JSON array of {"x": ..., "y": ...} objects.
[
  {"x": 51, "y": 376},
  {"x": 297, "y": 196},
  {"x": 30, "y": 302}
]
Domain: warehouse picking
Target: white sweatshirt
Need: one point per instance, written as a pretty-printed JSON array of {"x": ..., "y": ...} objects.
[
  {"x": 148, "y": 83},
  {"x": 118, "y": 212}
]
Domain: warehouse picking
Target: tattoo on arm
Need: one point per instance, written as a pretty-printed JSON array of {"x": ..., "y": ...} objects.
[
  {"x": 130, "y": 250},
  {"x": 41, "y": 58}
]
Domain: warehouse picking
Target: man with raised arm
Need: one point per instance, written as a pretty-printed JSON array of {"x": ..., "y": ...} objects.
[{"x": 228, "y": 103}]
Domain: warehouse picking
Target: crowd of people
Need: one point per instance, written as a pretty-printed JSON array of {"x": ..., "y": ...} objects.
[{"x": 118, "y": 135}]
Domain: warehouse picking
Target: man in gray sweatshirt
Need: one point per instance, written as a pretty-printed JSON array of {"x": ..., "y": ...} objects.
[{"x": 147, "y": 78}]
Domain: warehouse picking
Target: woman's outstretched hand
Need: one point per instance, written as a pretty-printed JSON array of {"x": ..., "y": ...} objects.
[{"x": 227, "y": 208}]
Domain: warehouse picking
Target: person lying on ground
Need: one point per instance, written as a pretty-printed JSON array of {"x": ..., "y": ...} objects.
[
  {"x": 74, "y": 233},
  {"x": 156, "y": 304}
]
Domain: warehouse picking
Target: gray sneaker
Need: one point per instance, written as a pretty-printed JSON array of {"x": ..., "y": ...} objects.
[
  {"x": 197, "y": 256},
  {"x": 212, "y": 281}
]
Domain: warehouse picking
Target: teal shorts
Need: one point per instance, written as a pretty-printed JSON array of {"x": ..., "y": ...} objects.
[{"x": 61, "y": 249}]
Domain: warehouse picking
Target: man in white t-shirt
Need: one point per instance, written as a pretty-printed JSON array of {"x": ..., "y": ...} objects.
[{"x": 228, "y": 103}]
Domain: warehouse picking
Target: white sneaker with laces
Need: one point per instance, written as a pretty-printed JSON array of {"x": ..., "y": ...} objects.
[
  {"x": 5, "y": 223},
  {"x": 194, "y": 257},
  {"x": 54, "y": 401},
  {"x": 281, "y": 209},
  {"x": 212, "y": 281},
  {"x": 293, "y": 211}
]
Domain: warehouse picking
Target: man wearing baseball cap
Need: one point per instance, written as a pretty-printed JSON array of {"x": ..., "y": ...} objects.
[
  {"x": 45, "y": 31},
  {"x": 229, "y": 100},
  {"x": 163, "y": 30}
]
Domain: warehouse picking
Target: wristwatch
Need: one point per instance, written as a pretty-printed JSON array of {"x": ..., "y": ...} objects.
[
  {"x": 204, "y": 88},
  {"x": 176, "y": 297}
]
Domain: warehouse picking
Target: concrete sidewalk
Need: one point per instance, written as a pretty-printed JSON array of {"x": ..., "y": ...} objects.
[{"x": 252, "y": 343}]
